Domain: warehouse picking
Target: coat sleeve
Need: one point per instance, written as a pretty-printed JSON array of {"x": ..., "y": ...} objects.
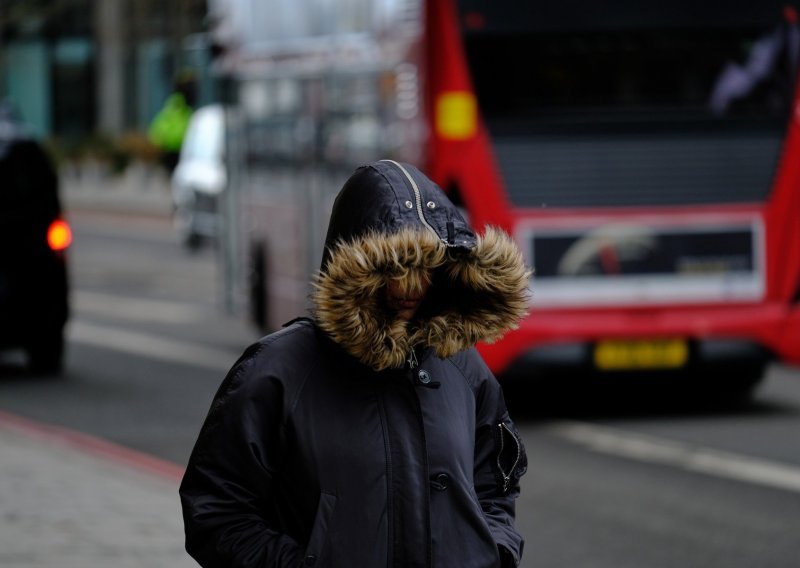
[
  {"x": 500, "y": 462},
  {"x": 226, "y": 491}
]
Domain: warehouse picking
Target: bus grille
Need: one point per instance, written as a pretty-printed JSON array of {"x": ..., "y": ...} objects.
[{"x": 637, "y": 170}]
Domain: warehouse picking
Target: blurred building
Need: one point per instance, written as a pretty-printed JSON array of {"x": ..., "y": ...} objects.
[{"x": 75, "y": 67}]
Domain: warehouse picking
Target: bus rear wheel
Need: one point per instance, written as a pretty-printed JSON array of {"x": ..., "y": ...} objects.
[{"x": 258, "y": 286}]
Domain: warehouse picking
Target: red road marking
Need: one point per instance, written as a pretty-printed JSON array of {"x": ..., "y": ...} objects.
[{"x": 92, "y": 445}]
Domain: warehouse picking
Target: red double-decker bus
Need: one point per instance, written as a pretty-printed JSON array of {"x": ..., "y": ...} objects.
[{"x": 643, "y": 155}]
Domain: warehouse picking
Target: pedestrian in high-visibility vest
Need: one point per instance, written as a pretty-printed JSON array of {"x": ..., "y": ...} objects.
[{"x": 168, "y": 127}]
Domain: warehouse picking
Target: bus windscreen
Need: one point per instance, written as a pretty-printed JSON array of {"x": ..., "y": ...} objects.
[{"x": 651, "y": 113}]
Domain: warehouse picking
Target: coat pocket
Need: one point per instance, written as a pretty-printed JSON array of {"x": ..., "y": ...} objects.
[
  {"x": 512, "y": 462},
  {"x": 319, "y": 532}
]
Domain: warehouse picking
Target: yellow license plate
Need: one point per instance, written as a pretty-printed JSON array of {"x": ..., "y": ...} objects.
[{"x": 641, "y": 355}]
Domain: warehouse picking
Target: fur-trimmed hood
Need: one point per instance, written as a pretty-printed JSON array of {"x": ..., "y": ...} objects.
[{"x": 390, "y": 222}]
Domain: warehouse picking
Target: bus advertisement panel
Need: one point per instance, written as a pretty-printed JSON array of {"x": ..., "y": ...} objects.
[{"x": 643, "y": 157}]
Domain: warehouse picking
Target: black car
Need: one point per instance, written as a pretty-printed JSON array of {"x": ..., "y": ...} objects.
[{"x": 34, "y": 304}]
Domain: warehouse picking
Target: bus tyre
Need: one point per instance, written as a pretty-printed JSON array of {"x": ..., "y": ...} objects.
[{"x": 258, "y": 286}]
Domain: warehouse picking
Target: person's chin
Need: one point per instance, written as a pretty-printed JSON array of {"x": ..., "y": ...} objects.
[{"x": 406, "y": 314}]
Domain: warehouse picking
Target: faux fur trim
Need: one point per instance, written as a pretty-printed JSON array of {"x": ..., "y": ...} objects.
[{"x": 477, "y": 295}]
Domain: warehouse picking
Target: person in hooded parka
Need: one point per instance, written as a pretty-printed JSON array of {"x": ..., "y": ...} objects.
[{"x": 372, "y": 434}]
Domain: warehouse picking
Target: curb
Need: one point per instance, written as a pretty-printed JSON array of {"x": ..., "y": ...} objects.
[{"x": 92, "y": 445}]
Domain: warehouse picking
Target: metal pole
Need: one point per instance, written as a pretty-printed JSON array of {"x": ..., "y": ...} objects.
[{"x": 109, "y": 18}]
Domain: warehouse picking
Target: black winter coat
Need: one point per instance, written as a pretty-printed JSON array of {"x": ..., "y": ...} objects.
[{"x": 354, "y": 439}]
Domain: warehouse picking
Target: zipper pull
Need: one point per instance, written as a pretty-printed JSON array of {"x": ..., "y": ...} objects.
[{"x": 412, "y": 359}]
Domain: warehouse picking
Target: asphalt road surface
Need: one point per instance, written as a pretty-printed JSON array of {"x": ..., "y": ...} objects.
[{"x": 613, "y": 482}]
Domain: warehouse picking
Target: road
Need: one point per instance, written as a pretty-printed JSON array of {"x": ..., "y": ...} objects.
[{"x": 609, "y": 486}]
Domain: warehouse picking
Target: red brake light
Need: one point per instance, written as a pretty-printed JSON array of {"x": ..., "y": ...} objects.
[{"x": 59, "y": 235}]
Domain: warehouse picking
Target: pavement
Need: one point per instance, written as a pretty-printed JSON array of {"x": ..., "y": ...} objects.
[
  {"x": 70, "y": 500},
  {"x": 73, "y": 501}
]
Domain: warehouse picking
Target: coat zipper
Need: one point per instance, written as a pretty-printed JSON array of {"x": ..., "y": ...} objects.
[{"x": 507, "y": 477}]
